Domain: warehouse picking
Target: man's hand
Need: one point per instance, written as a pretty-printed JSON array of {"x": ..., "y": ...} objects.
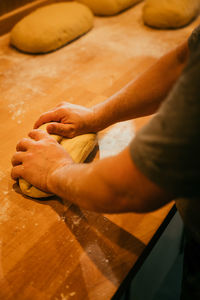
[
  {"x": 37, "y": 158},
  {"x": 68, "y": 119}
]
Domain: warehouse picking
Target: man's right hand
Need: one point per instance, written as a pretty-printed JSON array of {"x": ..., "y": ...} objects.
[{"x": 68, "y": 120}]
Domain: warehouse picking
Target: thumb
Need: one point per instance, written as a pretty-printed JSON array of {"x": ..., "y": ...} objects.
[{"x": 65, "y": 130}]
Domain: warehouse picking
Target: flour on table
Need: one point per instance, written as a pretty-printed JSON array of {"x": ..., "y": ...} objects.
[
  {"x": 4, "y": 207},
  {"x": 116, "y": 139},
  {"x": 2, "y": 175},
  {"x": 16, "y": 110}
]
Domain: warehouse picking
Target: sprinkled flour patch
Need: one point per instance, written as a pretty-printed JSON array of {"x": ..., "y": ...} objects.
[
  {"x": 116, "y": 139},
  {"x": 66, "y": 297},
  {"x": 16, "y": 110},
  {"x": 4, "y": 207},
  {"x": 2, "y": 175}
]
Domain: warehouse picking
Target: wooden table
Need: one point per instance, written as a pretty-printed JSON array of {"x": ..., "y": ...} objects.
[{"x": 51, "y": 251}]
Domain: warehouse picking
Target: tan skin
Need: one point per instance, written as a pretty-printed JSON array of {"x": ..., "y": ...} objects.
[{"x": 121, "y": 186}]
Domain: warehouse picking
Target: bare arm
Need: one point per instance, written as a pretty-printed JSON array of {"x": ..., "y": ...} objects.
[
  {"x": 110, "y": 185},
  {"x": 142, "y": 96}
]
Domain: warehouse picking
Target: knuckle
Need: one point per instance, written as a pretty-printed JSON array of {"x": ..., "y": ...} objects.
[
  {"x": 31, "y": 133},
  {"x": 50, "y": 127},
  {"x": 72, "y": 132},
  {"x": 14, "y": 157},
  {"x": 42, "y": 116},
  {"x": 13, "y": 173},
  {"x": 61, "y": 110},
  {"x": 13, "y": 160},
  {"x": 19, "y": 144},
  {"x": 24, "y": 140},
  {"x": 61, "y": 130}
]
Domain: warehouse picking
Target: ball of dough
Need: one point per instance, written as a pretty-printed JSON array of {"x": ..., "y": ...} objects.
[
  {"x": 78, "y": 147},
  {"x": 52, "y": 26},
  {"x": 170, "y": 13},
  {"x": 108, "y": 7}
]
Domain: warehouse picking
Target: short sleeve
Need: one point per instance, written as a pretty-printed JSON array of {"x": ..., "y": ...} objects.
[{"x": 167, "y": 149}]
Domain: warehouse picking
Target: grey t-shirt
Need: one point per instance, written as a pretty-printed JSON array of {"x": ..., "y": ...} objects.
[{"x": 167, "y": 149}]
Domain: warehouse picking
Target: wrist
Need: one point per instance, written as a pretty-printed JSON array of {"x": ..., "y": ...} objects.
[
  {"x": 54, "y": 178},
  {"x": 96, "y": 119},
  {"x": 101, "y": 119}
]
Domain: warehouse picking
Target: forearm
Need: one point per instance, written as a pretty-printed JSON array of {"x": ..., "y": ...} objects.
[
  {"x": 110, "y": 185},
  {"x": 143, "y": 95},
  {"x": 87, "y": 186}
]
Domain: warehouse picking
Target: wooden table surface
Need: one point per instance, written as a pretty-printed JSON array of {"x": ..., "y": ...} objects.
[{"x": 52, "y": 251}]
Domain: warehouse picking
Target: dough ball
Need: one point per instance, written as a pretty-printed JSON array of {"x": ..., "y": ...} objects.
[
  {"x": 52, "y": 26},
  {"x": 108, "y": 7},
  {"x": 31, "y": 191},
  {"x": 78, "y": 148},
  {"x": 170, "y": 13}
]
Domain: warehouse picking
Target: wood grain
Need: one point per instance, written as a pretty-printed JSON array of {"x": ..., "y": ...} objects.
[
  {"x": 7, "y": 6},
  {"x": 52, "y": 251}
]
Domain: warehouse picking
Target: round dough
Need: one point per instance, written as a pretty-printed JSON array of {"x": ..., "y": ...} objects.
[
  {"x": 51, "y": 27},
  {"x": 78, "y": 147},
  {"x": 170, "y": 13},
  {"x": 108, "y": 7}
]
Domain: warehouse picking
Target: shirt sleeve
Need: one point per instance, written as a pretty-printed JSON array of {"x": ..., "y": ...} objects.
[{"x": 167, "y": 149}]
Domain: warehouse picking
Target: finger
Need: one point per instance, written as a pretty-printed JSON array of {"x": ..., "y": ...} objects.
[
  {"x": 61, "y": 129},
  {"x": 38, "y": 134},
  {"x": 23, "y": 145},
  {"x": 17, "y": 172},
  {"x": 46, "y": 117},
  {"x": 17, "y": 158}
]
